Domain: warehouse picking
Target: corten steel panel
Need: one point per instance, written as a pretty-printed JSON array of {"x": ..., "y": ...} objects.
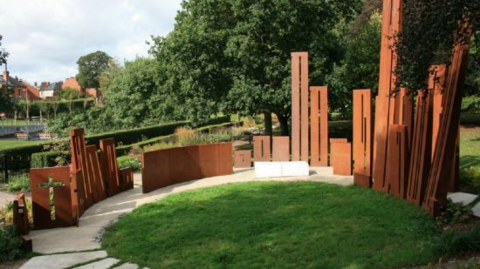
[
  {"x": 79, "y": 163},
  {"x": 391, "y": 25},
  {"x": 295, "y": 107},
  {"x": 405, "y": 112},
  {"x": 95, "y": 173},
  {"x": 300, "y": 117},
  {"x": 78, "y": 207},
  {"x": 126, "y": 178},
  {"x": 62, "y": 198},
  {"x": 281, "y": 149},
  {"x": 261, "y": 149},
  {"x": 396, "y": 173},
  {"x": 319, "y": 126},
  {"x": 341, "y": 158},
  {"x": 20, "y": 215},
  {"x": 338, "y": 140},
  {"x": 420, "y": 159},
  {"x": 438, "y": 179},
  {"x": 362, "y": 137},
  {"x": 436, "y": 85},
  {"x": 225, "y": 163},
  {"x": 243, "y": 159},
  {"x": 162, "y": 168},
  {"x": 109, "y": 166}
]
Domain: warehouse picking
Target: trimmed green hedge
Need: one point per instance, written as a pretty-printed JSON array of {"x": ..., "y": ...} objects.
[{"x": 48, "y": 159}]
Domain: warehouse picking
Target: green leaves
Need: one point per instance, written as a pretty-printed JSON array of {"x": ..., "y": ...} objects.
[{"x": 90, "y": 67}]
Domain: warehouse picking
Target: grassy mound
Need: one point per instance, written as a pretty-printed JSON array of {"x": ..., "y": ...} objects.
[{"x": 275, "y": 225}]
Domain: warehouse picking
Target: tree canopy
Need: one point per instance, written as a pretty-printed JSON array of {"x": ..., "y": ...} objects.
[
  {"x": 90, "y": 67},
  {"x": 234, "y": 55},
  {"x": 3, "y": 53}
]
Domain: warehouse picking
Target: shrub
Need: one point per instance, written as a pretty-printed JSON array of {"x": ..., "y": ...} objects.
[
  {"x": 470, "y": 177},
  {"x": 456, "y": 213},
  {"x": 126, "y": 161},
  {"x": 19, "y": 183},
  {"x": 471, "y": 104},
  {"x": 50, "y": 159},
  {"x": 11, "y": 246},
  {"x": 455, "y": 242}
]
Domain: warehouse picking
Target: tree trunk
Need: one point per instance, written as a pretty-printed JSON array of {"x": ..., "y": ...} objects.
[
  {"x": 268, "y": 124},
  {"x": 283, "y": 124}
]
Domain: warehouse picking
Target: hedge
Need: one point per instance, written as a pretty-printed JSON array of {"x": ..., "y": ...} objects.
[
  {"x": 62, "y": 106},
  {"x": 122, "y": 137},
  {"x": 48, "y": 159}
]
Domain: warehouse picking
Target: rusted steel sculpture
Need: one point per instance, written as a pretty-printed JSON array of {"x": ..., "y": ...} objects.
[
  {"x": 300, "y": 148},
  {"x": 243, "y": 159},
  {"x": 440, "y": 174},
  {"x": 79, "y": 164},
  {"x": 396, "y": 172},
  {"x": 319, "y": 126},
  {"x": 421, "y": 149},
  {"x": 126, "y": 178},
  {"x": 386, "y": 99},
  {"x": 109, "y": 166},
  {"x": 362, "y": 138},
  {"x": 261, "y": 149},
  {"x": 281, "y": 149},
  {"x": 436, "y": 86},
  {"x": 52, "y": 198},
  {"x": 341, "y": 157},
  {"x": 20, "y": 215},
  {"x": 95, "y": 173},
  {"x": 166, "y": 167}
]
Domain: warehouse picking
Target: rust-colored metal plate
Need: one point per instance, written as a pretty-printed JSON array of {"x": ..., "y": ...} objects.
[
  {"x": 162, "y": 168},
  {"x": 362, "y": 137},
  {"x": 439, "y": 177},
  {"x": 261, "y": 149},
  {"x": 109, "y": 166},
  {"x": 319, "y": 126},
  {"x": 243, "y": 159},
  {"x": 63, "y": 216},
  {"x": 386, "y": 99},
  {"x": 420, "y": 159},
  {"x": 95, "y": 173},
  {"x": 281, "y": 149},
  {"x": 396, "y": 172},
  {"x": 79, "y": 164},
  {"x": 341, "y": 158},
  {"x": 126, "y": 178},
  {"x": 20, "y": 215},
  {"x": 300, "y": 117},
  {"x": 436, "y": 86}
]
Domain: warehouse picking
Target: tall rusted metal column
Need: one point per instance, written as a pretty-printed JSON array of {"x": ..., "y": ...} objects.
[
  {"x": 319, "y": 125},
  {"x": 362, "y": 137},
  {"x": 385, "y": 101},
  {"x": 300, "y": 148}
]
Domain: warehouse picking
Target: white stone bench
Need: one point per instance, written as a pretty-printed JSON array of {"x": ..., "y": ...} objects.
[{"x": 281, "y": 169}]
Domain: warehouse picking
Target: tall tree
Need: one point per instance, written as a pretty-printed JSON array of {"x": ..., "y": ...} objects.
[
  {"x": 6, "y": 104},
  {"x": 90, "y": 67},
  {"x": 234, "y": 55}
]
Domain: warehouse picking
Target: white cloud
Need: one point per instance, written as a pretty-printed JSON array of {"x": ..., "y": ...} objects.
[{"x": 46, "y": 38}]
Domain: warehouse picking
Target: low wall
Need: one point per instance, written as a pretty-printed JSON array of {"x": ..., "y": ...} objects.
[
  {"x": 166, "y": 167},
  {"x": 10, "y": 130}
]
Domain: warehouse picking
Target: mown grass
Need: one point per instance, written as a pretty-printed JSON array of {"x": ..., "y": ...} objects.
[
  {"x": 470, "y": 159},
  {"x": 276, "y": 225}
]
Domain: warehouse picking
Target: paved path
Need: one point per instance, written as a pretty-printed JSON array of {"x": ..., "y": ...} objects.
[
  {"x": 6, "y": 197},
  {"x": 87, "y": 235}
]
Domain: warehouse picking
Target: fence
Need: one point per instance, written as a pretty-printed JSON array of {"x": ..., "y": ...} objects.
[{"x": 12, "y": 166}]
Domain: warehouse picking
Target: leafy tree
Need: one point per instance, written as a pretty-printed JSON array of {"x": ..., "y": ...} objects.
[
  {"x": 90, "y": 67},
  {"x": 234, "y": 55},
  {"x": 430, "y": 28},
  {"x": 472, "y": 81},
  {"x": 6, "y": 104},
  {"x": 3, "y": 53},
  {"x": 106, "y": 78},
  {"x": 360, "y": 67}
]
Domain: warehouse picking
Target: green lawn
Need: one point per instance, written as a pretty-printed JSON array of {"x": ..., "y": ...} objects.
[
  {"x": 470, "y": 147},
  {"x": 275, "y": 225},
  {"x": 8, "y": 144}
]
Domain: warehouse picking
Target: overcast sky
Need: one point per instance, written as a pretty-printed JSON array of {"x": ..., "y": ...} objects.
[{"x": 45, "y": 38}]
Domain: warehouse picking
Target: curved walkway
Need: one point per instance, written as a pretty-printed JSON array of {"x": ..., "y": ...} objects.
[{"x": 87, "y": 236}]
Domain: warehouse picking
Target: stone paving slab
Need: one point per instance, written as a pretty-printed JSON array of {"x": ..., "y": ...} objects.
[
  {"x": 102, "y": 264},
  {"x": 100, "y": 215},
  {"x": 462, "y": 197},
  {"x": 476, "y": 210},
  {"x": 61, "y": 261},
  {"x": 127, "y": 266}
]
